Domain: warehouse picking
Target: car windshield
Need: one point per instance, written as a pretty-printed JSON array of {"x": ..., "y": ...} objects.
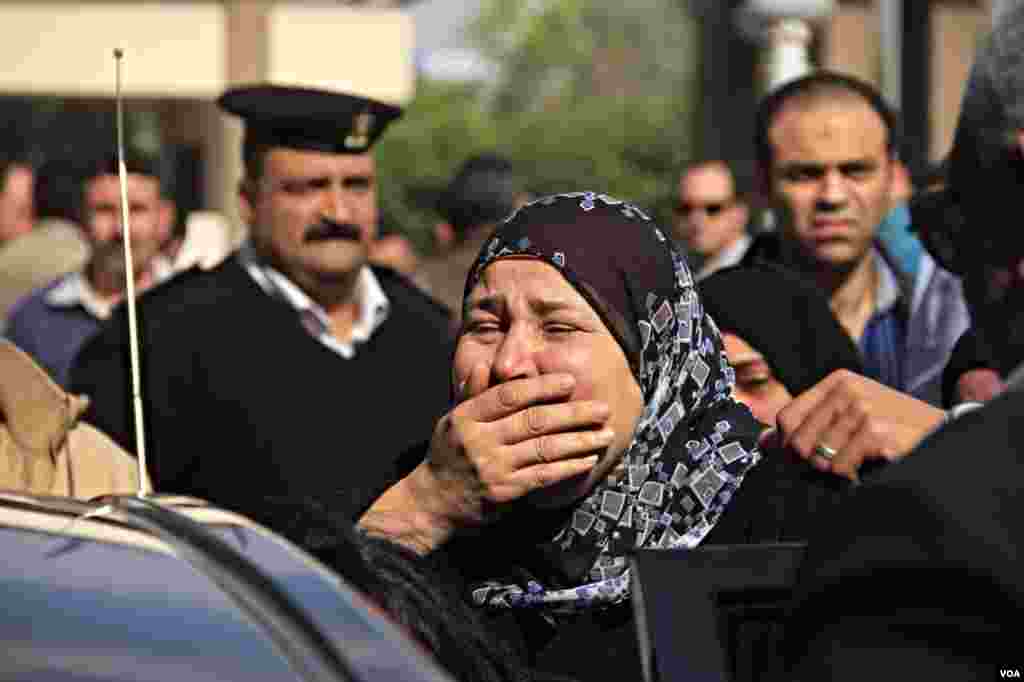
[{"x": 109, "y": 603}]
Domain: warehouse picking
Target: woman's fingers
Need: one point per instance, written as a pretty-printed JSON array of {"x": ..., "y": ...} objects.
[
  {"x": 870, "y": 441},
  {"x": 847, "y": 417},
  {"x": 555, "y": 447},
  {"x": 552, "y": 418},
  {"x": 529, "y": 479},
  {"x": 805, "y": 431},
  {"x": 512, "y": 396}
]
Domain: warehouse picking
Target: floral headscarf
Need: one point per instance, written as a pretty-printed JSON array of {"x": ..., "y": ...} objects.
[{"x": 693, "y": 443}]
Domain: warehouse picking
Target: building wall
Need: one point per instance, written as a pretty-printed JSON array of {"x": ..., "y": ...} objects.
[
  {"x": 956, "y": 32},
  {"x": 850, "y": 43},
  {"x": 185, "y": 53}
]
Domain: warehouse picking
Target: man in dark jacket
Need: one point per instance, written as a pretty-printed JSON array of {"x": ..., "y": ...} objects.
[
  {"x": 826, "y": 146},
  {"x": 294, "y": 368}
]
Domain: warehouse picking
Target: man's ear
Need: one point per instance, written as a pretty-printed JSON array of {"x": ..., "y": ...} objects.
[
  {"x": 167, "y": 212},
  {"x": 1020, "y": 141},
  {"x": 444, "y": 236},
  {"x": 246, "y": 199}
]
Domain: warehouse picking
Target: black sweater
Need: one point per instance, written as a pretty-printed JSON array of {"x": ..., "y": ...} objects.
[{"x": 241, "y": 403}]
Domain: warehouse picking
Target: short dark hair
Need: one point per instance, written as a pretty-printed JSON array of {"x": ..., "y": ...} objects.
[
  {"x": 135, "y": 162},
  {"x": 484, "y": 190},
  {"x": 817, "y": 86}
]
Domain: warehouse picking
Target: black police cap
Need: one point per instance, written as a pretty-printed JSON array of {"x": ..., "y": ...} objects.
[{"x": 308, "y": 119}]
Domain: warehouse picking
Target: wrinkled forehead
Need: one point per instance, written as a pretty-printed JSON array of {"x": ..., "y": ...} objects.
[
  {"x": 286, "y": 161},
  {"x": 139, "y": 187},
  {"x": 821, "y": 130}
]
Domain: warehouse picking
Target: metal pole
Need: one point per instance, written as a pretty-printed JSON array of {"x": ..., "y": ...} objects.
[{"x": 890, "y": 18}]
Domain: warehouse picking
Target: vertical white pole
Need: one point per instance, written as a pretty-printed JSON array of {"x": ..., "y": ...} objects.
[
  {"x": 890, "y": 19},
  {"x": 133, "y": 331}
]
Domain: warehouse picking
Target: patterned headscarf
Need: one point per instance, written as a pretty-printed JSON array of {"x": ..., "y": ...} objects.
[{"x": 693, "y": 443}]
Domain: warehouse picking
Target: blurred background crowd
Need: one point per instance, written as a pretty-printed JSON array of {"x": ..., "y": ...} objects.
[{"x": 576, "y": 93}]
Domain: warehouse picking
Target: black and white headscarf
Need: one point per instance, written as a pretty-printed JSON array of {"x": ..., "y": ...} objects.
[{"x": 693, "y": 443}]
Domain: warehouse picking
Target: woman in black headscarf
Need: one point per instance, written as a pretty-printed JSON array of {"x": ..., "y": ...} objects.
[
  {"x": 780, "y": 335},
  {"x": 593, "y": 410},
  {"x": 782, "y": 339}
]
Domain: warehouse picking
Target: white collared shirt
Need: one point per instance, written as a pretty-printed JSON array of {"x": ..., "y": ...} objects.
[
  {"x": 374, "y": 305},
  {"x": 727, "y": 257},
  {"x": 75, "y": 290},
  {"x": 888, "y": 292}
]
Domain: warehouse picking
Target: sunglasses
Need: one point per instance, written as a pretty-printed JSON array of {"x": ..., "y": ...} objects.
[{"x": 711, "y": 208}]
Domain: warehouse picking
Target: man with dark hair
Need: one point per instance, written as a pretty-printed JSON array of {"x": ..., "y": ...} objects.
[
  {"x": 55, "y": 245},
  {"x": 921, "y": 570},
  {"x": 17, "y": 213},
  {"x": 826, "y": 155},
  {"x": 484, "y": 190},
  {"x": 53, "y": 322},
  {"x": 710, "y": 218},
  {"x": 293, "y": 369}
]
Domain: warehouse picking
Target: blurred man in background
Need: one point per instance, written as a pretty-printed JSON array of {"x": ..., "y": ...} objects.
[
  {"x": 394, "y": 250},
  {"x": 485, "y": 189},
  {"x": 53, "y": 322},
  {"x": 17, "y": 213},
  {"x": 710, "y": 219},
  {"x": 827, "y": 155},
  {"x": 55, "y": 246}
]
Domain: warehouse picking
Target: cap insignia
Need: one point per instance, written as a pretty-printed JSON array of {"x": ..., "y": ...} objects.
[{"x": 360, "y": 135}]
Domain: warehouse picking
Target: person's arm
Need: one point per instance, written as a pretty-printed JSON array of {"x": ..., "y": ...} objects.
[
  {"x": 404, "y": 514},
  {"x": 493, "y": 448}
]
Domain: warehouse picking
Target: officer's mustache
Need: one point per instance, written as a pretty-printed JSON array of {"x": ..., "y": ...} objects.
[{"x": 326, "y": 229}]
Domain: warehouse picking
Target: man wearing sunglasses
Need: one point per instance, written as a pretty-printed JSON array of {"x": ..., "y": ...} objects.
[{"x": 709, "y": 218}]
